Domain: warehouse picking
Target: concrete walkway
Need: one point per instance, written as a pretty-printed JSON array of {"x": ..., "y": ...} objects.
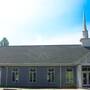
[
  {"x": 38, "y": 89},
  {"x": 55, "y": 89}
]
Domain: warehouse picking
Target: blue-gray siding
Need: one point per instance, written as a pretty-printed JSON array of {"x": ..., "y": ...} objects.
[
  {"x": 41, "y": 77},
  {"x": 63, "y": 81}
]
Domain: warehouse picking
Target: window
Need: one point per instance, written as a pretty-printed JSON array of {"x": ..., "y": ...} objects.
[
  {"x": 86, "y": 75},
  {"x": 69, "y": 75},
  {"x": 32, "y": 75},
  {"x": 51, "y": 75},
  {"x": 15, "y": 75},
  {"x": 85, "y": 68}
]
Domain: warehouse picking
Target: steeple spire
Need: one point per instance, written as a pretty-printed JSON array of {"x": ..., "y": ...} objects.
[
  {"x": 84, "y": 22},
  {"x": 85, "y": 31},
  {"x": 85, "y": 40}
]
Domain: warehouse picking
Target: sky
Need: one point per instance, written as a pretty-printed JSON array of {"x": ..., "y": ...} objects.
[{"x": 43, "y": 22}]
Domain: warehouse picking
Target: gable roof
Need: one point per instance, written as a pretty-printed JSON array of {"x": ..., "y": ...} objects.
[{"x": 41, "y": 54}]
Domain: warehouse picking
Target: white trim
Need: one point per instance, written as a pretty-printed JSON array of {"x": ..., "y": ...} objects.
[
  {"x": 6, "y": 75},
  {"x": 31, "y": 72},
  {"x": 87, "y": 73},
  {"x": 79, "y": 77},
  {"x": 15, "y": 72},
  {"x": 85, "y": 64},
  {"x": 37, "y": 64},
  {"x": 72, "y": 70},
  {"x": 54, "y": 74}
]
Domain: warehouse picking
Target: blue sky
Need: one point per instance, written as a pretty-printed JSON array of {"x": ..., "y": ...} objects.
[{"x": 43, "y": 22}]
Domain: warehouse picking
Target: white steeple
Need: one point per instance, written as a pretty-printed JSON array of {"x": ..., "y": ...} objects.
[
  {"x": 85, "y": 31},
  {"x": 85, "y": 40}
]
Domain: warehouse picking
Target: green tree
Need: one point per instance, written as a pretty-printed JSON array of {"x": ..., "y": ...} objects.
[{"x": 4, "y": 42}]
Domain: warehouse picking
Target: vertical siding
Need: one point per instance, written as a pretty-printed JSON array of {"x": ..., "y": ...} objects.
[
  {"x": 9, "y": 80},
  {"x": 63, "y": 68},
  {"x": 24, "y": 77},
  {"x": 3, "y": 76},
  {"x": 41, "y": 77}
]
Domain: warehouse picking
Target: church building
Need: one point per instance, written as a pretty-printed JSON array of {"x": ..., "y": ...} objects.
[{"x": 46, "y": 66}]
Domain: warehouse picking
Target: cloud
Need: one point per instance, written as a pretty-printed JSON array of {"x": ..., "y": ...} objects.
[
  {"x": 15, "y": 15},
  {"x": 72, "y": 37},
  {"x": 23, "y": 9},
  {"x": 39, "y": 39}
]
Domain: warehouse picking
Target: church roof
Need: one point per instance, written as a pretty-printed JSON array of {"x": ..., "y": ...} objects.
[{"x": 42, "y": 54}]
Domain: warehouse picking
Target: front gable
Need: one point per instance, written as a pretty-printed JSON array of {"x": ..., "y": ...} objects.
[{"x": 84, "y": 60}]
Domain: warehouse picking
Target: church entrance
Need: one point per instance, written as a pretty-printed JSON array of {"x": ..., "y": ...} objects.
[{"x": 86, "y": 76}]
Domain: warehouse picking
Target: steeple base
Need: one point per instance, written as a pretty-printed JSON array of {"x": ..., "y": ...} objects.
[{"x": 85, "y": 42}]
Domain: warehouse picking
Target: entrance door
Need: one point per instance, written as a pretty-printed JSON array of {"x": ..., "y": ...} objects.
[{"x": 86, "y": 78}]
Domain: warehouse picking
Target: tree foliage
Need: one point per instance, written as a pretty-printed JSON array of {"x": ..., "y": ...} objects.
[{"x": 4, "y": 42}]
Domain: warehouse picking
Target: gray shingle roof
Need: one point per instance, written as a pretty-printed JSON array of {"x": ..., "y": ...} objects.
[{"x": 42, "y": 54}]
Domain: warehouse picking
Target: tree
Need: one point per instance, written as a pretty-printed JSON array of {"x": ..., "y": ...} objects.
[{"x": 4, "y": 42}]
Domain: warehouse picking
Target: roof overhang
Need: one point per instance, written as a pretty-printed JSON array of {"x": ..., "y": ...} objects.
[{"x": 37, "y": 64}]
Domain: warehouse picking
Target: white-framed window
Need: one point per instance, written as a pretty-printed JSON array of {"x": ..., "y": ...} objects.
[
  {"x": 69, "y": 75},
  {"x": 15, "y": 75},
  {"x": 86, "y": 75},
  {"x": 51, "y": 75},
  {"x": 32, "y": 75}
]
